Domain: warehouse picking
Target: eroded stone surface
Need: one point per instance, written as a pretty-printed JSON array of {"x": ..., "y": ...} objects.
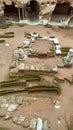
[
  {"x": 26, "y": 122},
  {"x": 46, "y": 6},
  {"x": 19, "y": 100},
  {"x": 18, "y": 120},
  {"x": 3, "y": 111}
]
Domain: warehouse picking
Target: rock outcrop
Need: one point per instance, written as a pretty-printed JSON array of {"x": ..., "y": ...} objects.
[{"x": 46, "y": 7}]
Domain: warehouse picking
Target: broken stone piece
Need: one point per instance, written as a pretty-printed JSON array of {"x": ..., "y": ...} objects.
[
  {"x": 57, "y": 104},
  {"x": 8, "y": 116},
  {"x": 18, "y": 120},
  {"x": 26, "y": 43},
  {"x": 13, "y": 64},
  {"x": 31, "y": 50},
  {"x": 15, "y": 120},
  {"x": 58, "y": 50},
  {"x": 45, "y": 125},
  {"x": 71, "y": 52},
  {"x": 11, "y": 99},
  {"x": 54, "y": 40},
  {"x": 34, "y": 99},
  {"x": 34, "y": 35},
  {"x": 67, "y": 61},
  {"x": 44, "y": 22},
  {"x": 4, "y": 105},
  {"x": 13, "y": 71},
  {"x": 12, "y": 107},
  {"x": 26, "y": 122},
  {"x": 21, "y": 66},
  {"x": 22, "y": 55},
  {"x": 39, "y": 124},
  {"x": 6, "y": 44},
  {"x": 55, "y": 69},
  {"x": 32, "y": 67},
  {"x": 44, "y": 38},
  {"x": 33, "y": 123},
  {"x": 19, "y": 100},
  {"x": 32, "y": 39},
  {"x": 3, "y": 100},
  {"x": 3, "y": 111}
]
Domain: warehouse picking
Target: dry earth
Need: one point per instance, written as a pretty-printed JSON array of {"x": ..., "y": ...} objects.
[{"x": 42, "y": 107}]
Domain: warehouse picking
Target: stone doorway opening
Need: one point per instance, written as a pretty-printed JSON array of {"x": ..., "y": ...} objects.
[
  {"x": 62, "y": 9},
  {"x": 61, "y": 12},
  {"x": 32, "y": 10},
  {"x": 10, "y": 11}
]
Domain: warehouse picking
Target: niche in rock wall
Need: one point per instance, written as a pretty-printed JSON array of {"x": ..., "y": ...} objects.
[
  {"x": 62, "y": 9},
  {"x": 32, "y": 9},
  {"x": 10, "y": 10}
]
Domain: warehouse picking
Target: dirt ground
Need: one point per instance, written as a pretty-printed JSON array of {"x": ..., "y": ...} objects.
[{"x": 46, "y": 104}]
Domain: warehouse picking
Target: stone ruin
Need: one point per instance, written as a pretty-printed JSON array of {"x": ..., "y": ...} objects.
[
  {"x": 10, "y": 104},
  {"x": 67, "y": 59},
  {"x": 35, "y": 9}
]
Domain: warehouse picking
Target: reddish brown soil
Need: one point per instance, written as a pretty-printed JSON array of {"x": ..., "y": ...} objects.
[{"x": 42, "y": 107}]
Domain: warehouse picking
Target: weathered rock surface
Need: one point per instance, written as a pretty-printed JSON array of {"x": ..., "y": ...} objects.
[
  {"x": 45, "y": 125},
  {"x": 12, "y": 107},
  {"x": 8, "y": 116},
  {"x": 26, "y": 122},
  {"x": 3, "y": 111},
  {"x": 18, "y": 120},
  {"x": 33, "y": 123},
  {"x": 19, "y": 100},
  {"x": 46, "y": 7}
]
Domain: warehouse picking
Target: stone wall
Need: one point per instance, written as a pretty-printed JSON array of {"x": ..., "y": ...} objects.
[{"x": 46, "y": 6}]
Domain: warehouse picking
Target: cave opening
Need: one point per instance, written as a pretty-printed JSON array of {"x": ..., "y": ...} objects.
[
  {"x": 61, "y": 9},
  {"x": 61, "y": 12},
  {"x": 10, "y": 10},
  {"x": 32, "y": 9}
]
